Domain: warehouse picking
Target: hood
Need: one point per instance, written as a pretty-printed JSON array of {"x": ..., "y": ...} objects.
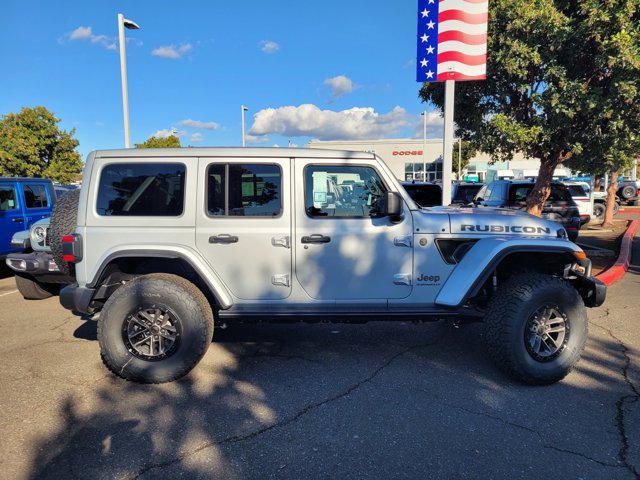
[{"x": 485, "y": 221}]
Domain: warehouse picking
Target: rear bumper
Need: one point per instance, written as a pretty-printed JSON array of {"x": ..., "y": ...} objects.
[
  {"x": 76, "y": 298},
  {"x": 37, "y": 264}
]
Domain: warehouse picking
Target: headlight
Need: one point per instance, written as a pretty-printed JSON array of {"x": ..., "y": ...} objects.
[{"x": 39, "y": 233}]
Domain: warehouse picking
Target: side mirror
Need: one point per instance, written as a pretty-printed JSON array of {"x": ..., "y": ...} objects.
[{"x": 393, "y": 206}]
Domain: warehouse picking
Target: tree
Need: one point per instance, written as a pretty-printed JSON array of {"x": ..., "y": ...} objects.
[
  {"x": 468, "y": 152},
  {"x": 558, "y": 70},
  {"x": 172, "y": 141},
  {"x": 32, "y": 145}
]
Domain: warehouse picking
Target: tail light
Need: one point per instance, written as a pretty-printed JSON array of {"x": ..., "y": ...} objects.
[{"x": 72, "y": 248}]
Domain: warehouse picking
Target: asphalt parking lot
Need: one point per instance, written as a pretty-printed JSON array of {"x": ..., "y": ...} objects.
[{"x": 380, "y": 400}]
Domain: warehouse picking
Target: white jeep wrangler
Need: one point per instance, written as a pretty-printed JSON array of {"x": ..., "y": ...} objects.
[{"x": 167, "y": 240}]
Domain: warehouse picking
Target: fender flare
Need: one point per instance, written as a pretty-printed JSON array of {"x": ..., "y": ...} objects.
[
  {"x": 477, "y": 266},
  {"x": 217, "y": 287}
]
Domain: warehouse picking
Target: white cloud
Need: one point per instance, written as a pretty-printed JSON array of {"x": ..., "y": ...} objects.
[
  {"x": 167, "y": 132},
  {"x": 269, "y": 46},
  {"x": 340, "y": 85},
  {"x": 199, "y": 124},
  {"x": 196, "y": 137},
  {"x": 172, "y": 51},
  {"x": 80, "y": 33},
  {"x": 435, "y": 125},
  {"x": 256, "y": 138},
  {"x": 310, "y": 121},
  {"x": 86, "y": 33}
]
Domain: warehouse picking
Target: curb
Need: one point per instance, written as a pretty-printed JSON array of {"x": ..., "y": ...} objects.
[
  {"x": 629, "y": 210},
  {"x": 618, "y": 269}
]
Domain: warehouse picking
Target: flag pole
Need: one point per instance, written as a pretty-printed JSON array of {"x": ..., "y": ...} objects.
[{"x": 447, "y": 153}]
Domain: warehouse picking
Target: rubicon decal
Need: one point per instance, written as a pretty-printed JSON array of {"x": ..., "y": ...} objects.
[{"x": 505, "y": 229}]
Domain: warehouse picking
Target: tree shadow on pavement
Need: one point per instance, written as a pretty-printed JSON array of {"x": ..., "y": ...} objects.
[{"x": 339, "y": 400}]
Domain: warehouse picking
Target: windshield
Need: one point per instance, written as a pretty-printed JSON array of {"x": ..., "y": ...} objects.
[{"x": 425, "y": 195}]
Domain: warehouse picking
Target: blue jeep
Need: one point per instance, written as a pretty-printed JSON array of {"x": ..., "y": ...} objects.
[{"x": 23, "y": 201}]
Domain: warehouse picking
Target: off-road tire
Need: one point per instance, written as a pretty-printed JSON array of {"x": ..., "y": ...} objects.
[
  {"x": 628, "y": 192},
  {"x": 33, "y": 290},
  {"x": 64, "y": 220},
  {"x": 507, "y": 316},
  {"x": 187, "y": 303}
]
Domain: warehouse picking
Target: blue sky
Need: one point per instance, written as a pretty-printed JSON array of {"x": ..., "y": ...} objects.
[{"x": 193, "y": 63}]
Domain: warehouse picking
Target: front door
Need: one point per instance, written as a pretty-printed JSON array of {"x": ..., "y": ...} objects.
[
  {"x": 11, "y": 216},
  {"x": 344, "y": 250},
  {"x": 243, "y": 226}
]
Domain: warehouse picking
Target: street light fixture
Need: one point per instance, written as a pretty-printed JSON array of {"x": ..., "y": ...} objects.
[
  {"x": 131, "y": 25},
  {"x": 242, "y": 110}
]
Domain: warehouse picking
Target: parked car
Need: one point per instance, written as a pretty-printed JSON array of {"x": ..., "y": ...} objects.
[
  {"x": 581, "y": 194},
  {"x": 163, "y": 243},
  {"x": 463, "y": 193},
  {"x": 23, "y": 201},
  {"x": 559, "y": 207},
  {"x": 628, "y": 191},
  {"x": 425, "y": 194},
  {"x": 600, "y": 205}
]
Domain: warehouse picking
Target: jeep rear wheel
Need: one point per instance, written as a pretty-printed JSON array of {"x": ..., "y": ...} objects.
[
  {"x": 536, "y": 328},
  {"x": 155, "y": 329}
]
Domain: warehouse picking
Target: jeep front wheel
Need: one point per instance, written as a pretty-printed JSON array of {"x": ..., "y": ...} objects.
[
  {"x": 155, "y": 329},
  {"x": 536, "y": 328}
]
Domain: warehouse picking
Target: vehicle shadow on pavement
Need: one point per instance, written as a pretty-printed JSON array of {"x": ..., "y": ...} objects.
[{"x": 340, "y": 400}]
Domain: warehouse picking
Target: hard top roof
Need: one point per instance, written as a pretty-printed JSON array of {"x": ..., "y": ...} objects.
[
  {"x": 24, "y": 179},
  {"x": 244, "y": 152}
]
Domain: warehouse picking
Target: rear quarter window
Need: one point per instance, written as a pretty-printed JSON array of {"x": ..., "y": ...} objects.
[{"x": 141, "y": 189}]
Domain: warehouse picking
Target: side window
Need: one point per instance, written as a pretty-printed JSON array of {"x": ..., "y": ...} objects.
[
  {"x": 7, "y": 198},
  {"x": 141, "y": 189},
  {"x": 496, "y": 193},
  {"x": 35, "y": 196},
  {"x": 244, "y": 190},
  {"x": 518, "y": 195},
  {"x": 481, "y": 195},
  {"x": 342, "y": 191}
]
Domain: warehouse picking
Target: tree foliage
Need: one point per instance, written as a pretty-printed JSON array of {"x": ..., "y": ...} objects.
[
  {"x": 172, "y": 141},
  {"x": 32, "y": 145},
  {"x": 468, "y": 151},
  {"x": 563, "y": 85}
]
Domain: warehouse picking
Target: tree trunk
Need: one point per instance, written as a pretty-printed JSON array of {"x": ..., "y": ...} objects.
[
  {"x": 597, "y": 185},
  {"x": 611, "y": 199},
  {"x": 542, "y": 187}
]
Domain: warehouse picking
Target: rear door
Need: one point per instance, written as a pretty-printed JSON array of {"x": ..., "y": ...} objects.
[
  {"x": 243, "y": 225},
  {"x": 11, "y": 215},
  {"x": 38, "y": 201}
]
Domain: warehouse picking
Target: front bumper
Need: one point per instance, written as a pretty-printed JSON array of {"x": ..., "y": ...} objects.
[
  {"x": 592, "y": 290},
  {"x": 37, "y": 264}
]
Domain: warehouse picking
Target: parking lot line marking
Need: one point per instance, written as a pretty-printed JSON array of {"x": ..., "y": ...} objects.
[{"x": 8, "y": 293}]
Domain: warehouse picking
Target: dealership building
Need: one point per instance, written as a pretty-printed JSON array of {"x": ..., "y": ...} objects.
[{"x": 409, "y": 159}]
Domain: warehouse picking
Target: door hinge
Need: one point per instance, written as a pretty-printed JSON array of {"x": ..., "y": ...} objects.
[
  {"x": 281, "y": 280},
  {"x": 402, "y": 279},
  {"x": 403, "y": 241},
  {"x": 281, "y": 241}
]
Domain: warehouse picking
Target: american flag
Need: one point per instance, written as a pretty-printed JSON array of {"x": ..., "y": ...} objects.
[{"x": 452, "y": 40}]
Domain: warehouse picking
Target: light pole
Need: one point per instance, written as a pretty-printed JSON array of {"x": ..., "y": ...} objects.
[
  {"x": 242, "y": 110},
  {"x": 459, "y": 159},
  {"x": 131, "y": 25},
  {"x": 424, "y": 146}
]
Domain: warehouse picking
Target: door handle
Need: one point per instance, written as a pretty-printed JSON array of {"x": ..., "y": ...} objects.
[
  {"x": 316, "y": 238},
  {"x": 17, "y": 219},
  {"x": 223, "y": 238}
]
